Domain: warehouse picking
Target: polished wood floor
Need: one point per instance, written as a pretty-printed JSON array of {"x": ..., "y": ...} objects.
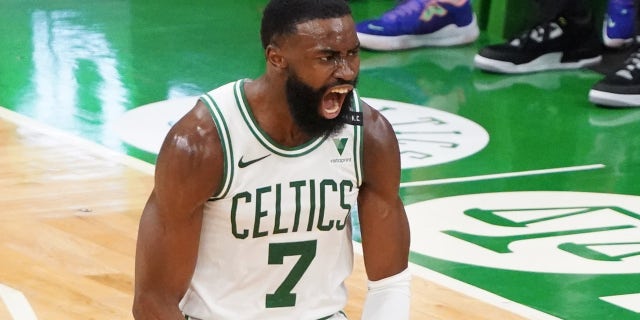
[{"x": 68, "y": 226}]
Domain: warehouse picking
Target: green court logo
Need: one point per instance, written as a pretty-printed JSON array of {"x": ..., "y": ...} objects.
[
  {"x": 598, "y": 251},
  {"x": 575, "y": 255},
  {"x": 544, "y": 231},
  {"x": 429, "y": 136}
]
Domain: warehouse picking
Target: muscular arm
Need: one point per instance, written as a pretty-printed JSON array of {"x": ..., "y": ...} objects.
[
  {"x": 383, "y": 222},
  {"x": 188, "y": 169}
]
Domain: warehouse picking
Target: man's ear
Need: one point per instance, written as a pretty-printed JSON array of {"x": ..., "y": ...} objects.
[{"x": 274, "y": 57}]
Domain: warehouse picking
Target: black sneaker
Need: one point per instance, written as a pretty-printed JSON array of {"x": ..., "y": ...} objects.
[
  {"x": 557, "y": 44},
  {"x": 620, "y": 88}
]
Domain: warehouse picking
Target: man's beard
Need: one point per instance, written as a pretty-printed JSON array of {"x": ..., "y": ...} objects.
[{"x": 304, "y": 102}]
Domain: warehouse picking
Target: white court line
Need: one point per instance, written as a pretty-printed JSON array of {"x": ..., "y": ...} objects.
[
  {"x": 627, "y": 301},
  {"x": 16, "y": 303},
  {"x": 501, "y": 175},
  {"x": 23, "y": 121}
]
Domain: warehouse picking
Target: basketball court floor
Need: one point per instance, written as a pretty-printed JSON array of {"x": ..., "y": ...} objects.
[{"x": 523, "y": 198}]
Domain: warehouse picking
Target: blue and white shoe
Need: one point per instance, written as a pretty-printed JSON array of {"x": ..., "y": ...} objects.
[
  {"x": 420, "y": 23},
  {"x": 618, "y": 27}
]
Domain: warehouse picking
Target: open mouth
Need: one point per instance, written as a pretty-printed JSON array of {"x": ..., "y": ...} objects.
[{"x": 333, "y": 100}]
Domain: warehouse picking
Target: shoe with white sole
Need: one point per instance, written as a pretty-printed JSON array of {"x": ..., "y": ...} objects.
[
  {"x": 553, "y": 45},
  {"x": 620, "y": 88},
  {"x": 420, "y": 23}
]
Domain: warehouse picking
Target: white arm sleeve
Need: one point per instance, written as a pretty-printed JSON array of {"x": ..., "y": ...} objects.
[{"x": 388, "y": 298}]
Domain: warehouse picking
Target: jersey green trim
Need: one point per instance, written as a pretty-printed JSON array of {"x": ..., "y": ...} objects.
[
  {"x": 328, "y": 317},
  {"x": 358, "y": 148},
  {"x": 225, "y": 141},
  {"x": 262, "y": 136},
  {"x": 186, "y": 317}
]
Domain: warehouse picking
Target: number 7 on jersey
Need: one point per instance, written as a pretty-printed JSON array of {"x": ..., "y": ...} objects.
[{"x": 283, "y": 297}]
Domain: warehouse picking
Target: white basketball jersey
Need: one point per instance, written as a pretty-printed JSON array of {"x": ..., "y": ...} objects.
[{"x": 276, "y": 238}]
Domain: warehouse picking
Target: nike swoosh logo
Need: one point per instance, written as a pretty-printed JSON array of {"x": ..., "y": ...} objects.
[
  {"x": 244, "y": 164},
  {"x": 611, "y": 23}
]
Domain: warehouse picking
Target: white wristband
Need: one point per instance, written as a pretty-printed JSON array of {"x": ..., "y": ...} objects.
[{"x": 388, "y": 298}]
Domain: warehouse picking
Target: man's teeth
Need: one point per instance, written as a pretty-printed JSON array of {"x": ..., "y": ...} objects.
[{"x": 340, "y": 90}]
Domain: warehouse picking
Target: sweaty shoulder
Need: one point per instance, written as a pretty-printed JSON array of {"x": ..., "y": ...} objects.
[
  {"x": 376, "y": 126},
  {"x": 193, "y": 134},
  {"x": 191, "y": 152}
]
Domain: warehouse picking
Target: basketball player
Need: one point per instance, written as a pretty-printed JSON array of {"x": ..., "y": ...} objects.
[{"x": 250, "y": 214}]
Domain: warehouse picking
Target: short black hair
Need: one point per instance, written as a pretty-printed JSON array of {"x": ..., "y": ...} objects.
[{"x": 280, "y": 17}]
